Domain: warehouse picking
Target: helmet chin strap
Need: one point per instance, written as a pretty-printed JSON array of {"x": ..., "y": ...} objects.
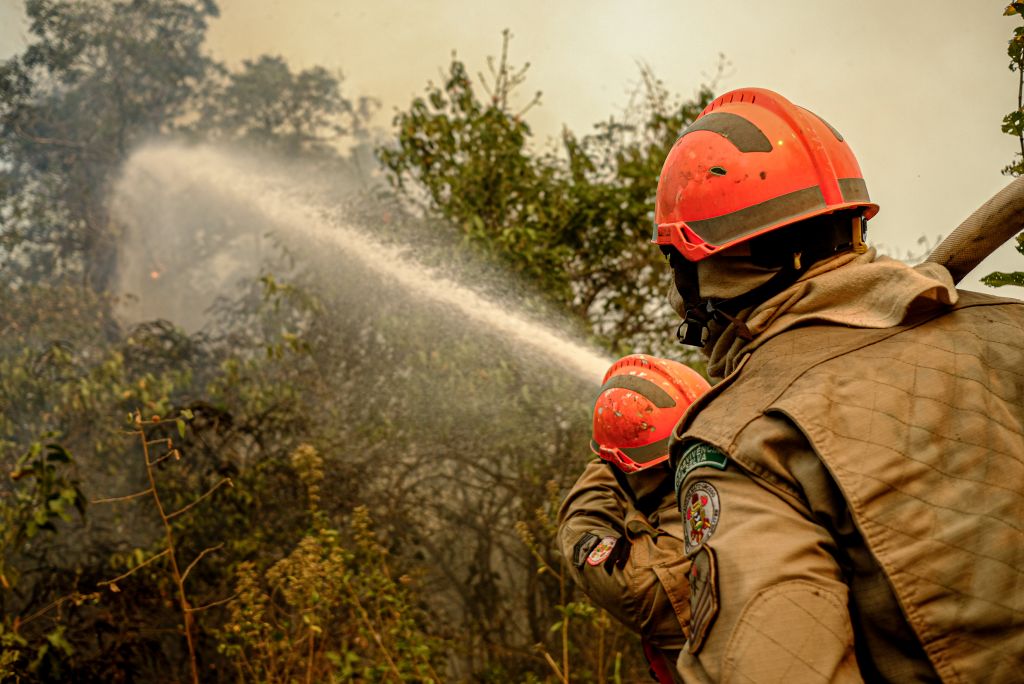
[
  {"x": 693, "y": 331},
  {"x": 813, "y": 246}
]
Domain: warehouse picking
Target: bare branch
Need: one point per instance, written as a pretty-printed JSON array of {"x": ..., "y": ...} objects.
[
  {"x": 75, "y": 596},
  {"x": 135, "y": 569},
  {"x": 47, "y": 141},
  {"x": 211, "y": 490},
  {"x": 213, "y": 604},
  {"x": 173, "y": 452},
  {"x": 112, "y": 499},
  {"x": 554, "y": 666},
  {"x": 198, "y": 558}
]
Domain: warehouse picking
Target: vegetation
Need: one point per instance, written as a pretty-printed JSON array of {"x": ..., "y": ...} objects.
[
  {"x": 330, "y": 480},
  {"x": 1013, "y": 124},
  {"x": 576, "y": 220},
  {"x": 288, "y": 499}
]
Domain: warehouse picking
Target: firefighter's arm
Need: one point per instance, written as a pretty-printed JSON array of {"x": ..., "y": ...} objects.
[
  {"x": 622, "y": 579},
  {"x": 594, "y": 510},
  {"x": 768, "y": 594}
]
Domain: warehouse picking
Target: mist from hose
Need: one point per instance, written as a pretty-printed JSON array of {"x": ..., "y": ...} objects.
[{"x": 285, "y": 205}]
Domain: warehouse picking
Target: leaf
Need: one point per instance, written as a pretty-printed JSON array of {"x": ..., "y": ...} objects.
[
  {"x": 56, "y": 638},
  {"x": 999, "y": 279},
  {"x": 181, "y": 427},
  {"x": 57, "y": 454},
  {"x": 114, "y": 588}
]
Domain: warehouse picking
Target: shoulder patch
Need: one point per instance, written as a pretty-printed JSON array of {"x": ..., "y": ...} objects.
[
  {"x": 701, "y": 509},
  {"x": 696, "y": 456},
  {"x": 601, "y": 552}
]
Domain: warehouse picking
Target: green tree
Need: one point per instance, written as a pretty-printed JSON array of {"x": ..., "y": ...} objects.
[
  {"x": 96, "y": 78},
  {"x": 266, "y": 104},
  {"x": 574, "y": 220},
  {"x": 1013, "y": 124}
]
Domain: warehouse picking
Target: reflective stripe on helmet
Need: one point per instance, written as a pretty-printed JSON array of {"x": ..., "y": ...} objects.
[
  {"x": 740, "y": 224},
  {"x": 645, "y": 453},
  {"x": 751, "y": 163},
  {"x": 640, "y": 402},
  {"x": 641, "y": 386},
  {"x": 745, "y": 136}
]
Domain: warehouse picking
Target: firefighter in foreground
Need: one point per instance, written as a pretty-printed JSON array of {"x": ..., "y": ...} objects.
[
  {"x": 619, "y": 527},
  {"x": 852, "y": 489}
]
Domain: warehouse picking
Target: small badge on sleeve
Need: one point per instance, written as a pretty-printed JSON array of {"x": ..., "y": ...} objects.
[
  {"x": 701, "y": 509},
  {"x": 703, "y": 597},
  {"x": 583, "y": 547},
  {"x": 698, "y": 455},
  {"x": 599, "y": 554}
]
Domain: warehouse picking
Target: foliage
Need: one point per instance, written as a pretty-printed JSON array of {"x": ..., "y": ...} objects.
[
  {"x": 574, "y": 221},
  {"x": 998, "y": 278},
  {"x": 35, "y": 507},
  {"x": 400, "y": 512},
  {"x": 328, "y": 611},
  {"x": 43, "y": 494},
  {"x": 1013, "y": 124},
  {"x": 267, "y": 105},
  {"x": 98, "y": 76}
]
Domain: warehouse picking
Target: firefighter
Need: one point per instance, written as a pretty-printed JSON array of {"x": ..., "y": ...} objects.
[
  {"x": 619, "y": 526},
  {"x": 852, "y": 489}
]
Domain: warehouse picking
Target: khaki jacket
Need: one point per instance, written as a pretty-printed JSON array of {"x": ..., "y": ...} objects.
[
  {"x": 648, "y": 593},
  {"x": 920, "y": 427}
]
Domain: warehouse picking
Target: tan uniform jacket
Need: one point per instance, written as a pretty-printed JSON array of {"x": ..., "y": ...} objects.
[
  {"x": 873, "y": 493},
  {"x": 649, "y": 593}
]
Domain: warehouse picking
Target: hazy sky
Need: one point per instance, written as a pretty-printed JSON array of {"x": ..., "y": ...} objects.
[{"x": 918, "y": 89}]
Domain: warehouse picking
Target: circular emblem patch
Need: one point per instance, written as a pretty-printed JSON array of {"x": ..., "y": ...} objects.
[
  {"x": 601, "y": 551},
  {"x": 700, "y": 508}
]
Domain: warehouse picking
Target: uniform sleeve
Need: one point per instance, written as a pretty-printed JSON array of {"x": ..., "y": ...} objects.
[
  {"x": 768, "y": 596},
  {"x": 631, "y": 592},
  {"x": 595, "y": 503}
]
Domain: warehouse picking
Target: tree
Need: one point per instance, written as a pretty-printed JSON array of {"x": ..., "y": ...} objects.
[
  {"x": 574, "y": 221},
  {"x": 1013, "y": 124},
  {"x": 268, "y": 105},
  {"x": 96, "y": 78}
]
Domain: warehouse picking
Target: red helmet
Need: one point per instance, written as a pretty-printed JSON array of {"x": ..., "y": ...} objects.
[
  {"x": 642, "y": 399},
  {"x": 752, "y": 162}
]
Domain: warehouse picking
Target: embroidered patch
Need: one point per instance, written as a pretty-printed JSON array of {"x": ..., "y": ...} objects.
[
  {"x": 697, "y": 455},
  {"x": 700, "y": 508},
  {"x": 703, "y": 581},
  {"x": 601, "y": 552},
  {"x": 583, "y": 548}
]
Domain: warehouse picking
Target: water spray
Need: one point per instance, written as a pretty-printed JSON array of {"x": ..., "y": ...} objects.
[{"x": 284, "y": 204}]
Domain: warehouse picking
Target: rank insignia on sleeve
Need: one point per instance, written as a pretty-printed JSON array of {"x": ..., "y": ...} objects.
[
  {"x": 700, "y": 508},
  {"x": 583, "y": 547},
  {"x": 703, "y": 597},
  {"x": 599, "y": 554}
]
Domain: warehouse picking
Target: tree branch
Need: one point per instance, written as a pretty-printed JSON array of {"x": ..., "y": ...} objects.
[
  {"x": 198, "y": 558},
  {"x": 112, "y": 499},
  {"x": 211, "y": 490},
  {"x": 135, "y": 569}
]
